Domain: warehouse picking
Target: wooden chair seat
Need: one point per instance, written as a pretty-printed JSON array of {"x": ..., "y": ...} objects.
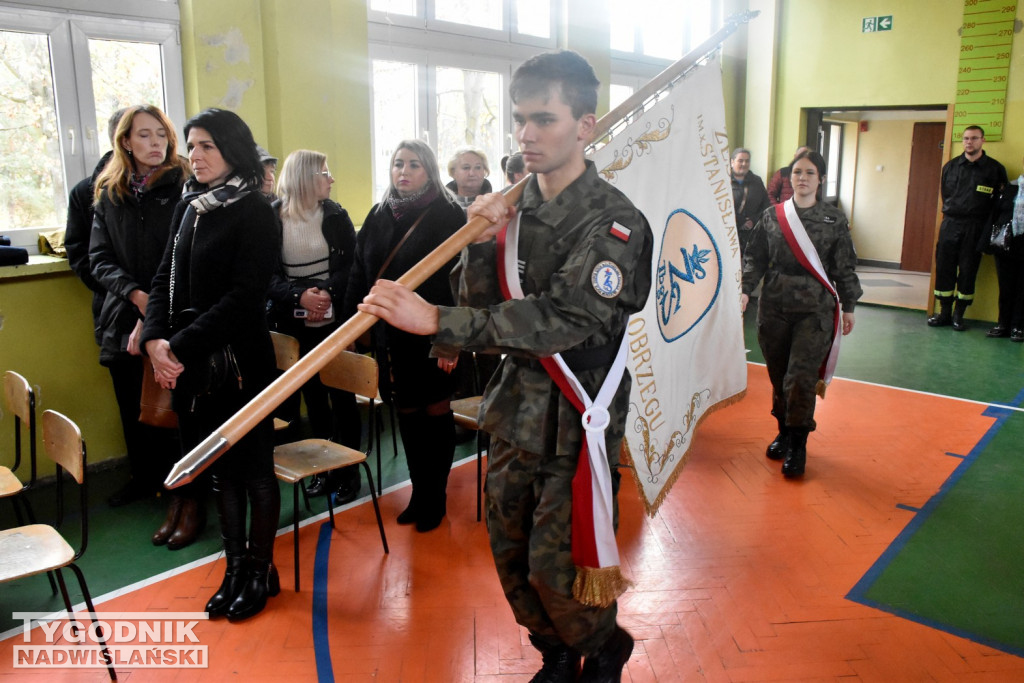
[
  {"x": 295, "y": 461},
  {"x": 10, "y": 485},
  {"x": 467, "y": 416},
  {"x": 467, "y": 412},
  {"x": 32, "y": 549}
]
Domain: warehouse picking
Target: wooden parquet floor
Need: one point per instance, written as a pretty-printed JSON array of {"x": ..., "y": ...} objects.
[{"x": 741, "y": 576}]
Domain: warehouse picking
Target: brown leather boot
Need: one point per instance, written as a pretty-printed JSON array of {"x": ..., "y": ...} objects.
[
  {"x": 170, "y": 523},
  {"x": 190, "y": 524}
]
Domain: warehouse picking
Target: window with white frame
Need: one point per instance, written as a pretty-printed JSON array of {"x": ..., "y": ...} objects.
[
  {"x": 518, "y": 21},
  {"x": 661, "y": 29},
  {"x": 64, "y": 75},
  {"x": 450, "y": 91},
  {"x": 443, "y": 101}
]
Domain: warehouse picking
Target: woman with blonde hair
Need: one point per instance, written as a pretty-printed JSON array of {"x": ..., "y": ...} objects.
[
  {"x": 469, "y": 170},
  {"x": 135, "y": 196},
  {"x": 413, "y": 217},
  {"x": 318, "y": 244}
]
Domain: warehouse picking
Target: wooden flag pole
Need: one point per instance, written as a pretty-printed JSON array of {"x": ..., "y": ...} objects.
[{"x": 229, "y": 433}]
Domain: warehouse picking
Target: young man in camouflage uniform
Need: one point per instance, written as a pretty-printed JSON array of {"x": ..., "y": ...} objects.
[{"x": 571, "y": 225}]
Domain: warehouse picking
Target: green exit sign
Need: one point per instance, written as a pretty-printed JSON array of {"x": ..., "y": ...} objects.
[{"x": 874, "y": 24}]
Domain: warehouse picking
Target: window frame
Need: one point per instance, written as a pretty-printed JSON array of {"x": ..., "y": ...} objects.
[
  {"x": 68, "y": 36},
  {"x": 425, "y": 20},
  {"x": 426, "y": 61}
]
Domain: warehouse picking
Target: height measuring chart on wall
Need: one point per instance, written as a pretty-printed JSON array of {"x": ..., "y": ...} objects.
[{"x": 984, "y": 69}]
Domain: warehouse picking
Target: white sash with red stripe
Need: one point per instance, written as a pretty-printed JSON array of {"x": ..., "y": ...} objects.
[
  {"x": 596, "y": 555},
  {"x": 803, "y": 249}
]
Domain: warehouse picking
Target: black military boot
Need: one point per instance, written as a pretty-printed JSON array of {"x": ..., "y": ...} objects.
[
  {"x": 777, "y": 448},
  {"x": 959, "y": 308},
  {"x": 943, "y": 317},
  {"x": 561, "y": 663},
  {"x": 606, "y": 665},
  {"x": 796, "y": 456}
]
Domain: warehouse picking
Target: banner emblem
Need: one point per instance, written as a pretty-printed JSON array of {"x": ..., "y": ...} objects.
[
  {"x": 607, "y": 279},
  {"x": 689, "y": 274}
]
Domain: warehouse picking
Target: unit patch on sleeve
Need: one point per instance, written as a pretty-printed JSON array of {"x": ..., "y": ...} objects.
[{"x": 607, "y": 279}]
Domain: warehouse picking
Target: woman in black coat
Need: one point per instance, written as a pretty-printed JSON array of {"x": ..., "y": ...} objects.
[
  {"x": 418, "y": 209},
  {"x": 210, "y": 297},
  {"x": 135, "y": 196},
  {"x": 318, "y": 243}
]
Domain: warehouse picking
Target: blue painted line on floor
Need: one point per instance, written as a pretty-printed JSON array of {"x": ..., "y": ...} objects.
[
  {"x": 912, "y": 508},
  {"x": 859, "y": 592},
  {"x": 321, "y": 642}
]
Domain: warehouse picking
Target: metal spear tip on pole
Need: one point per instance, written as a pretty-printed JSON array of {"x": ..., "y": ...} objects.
[{"x": 202, "y": 456}]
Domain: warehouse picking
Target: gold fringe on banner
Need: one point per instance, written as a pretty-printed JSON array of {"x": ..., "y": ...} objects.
[
  {"x": 820, "y": 388},
  {"x": 599, "y": 586}
]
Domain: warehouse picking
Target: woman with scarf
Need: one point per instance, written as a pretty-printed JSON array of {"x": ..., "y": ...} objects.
[
  {"x": 318, "y": 243},
  {"x": 1009, "y": 208},
  {"x": 415, "y": 215},
  {"x": 803, "y": 250},
  {"x": 209, "y": 303},
  {"x": 135, "y": 196}
]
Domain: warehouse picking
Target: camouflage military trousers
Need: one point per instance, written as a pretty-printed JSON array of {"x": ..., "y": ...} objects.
[
  {"x": 794, "y": 347},
  {"x": 529, "y": 511}
]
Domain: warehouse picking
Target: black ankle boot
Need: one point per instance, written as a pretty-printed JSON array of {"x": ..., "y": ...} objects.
[
  {"x": 230, "y": 587},
  {"x": 261, "y": 582},
  {"x": 606, "y": 665},
  {"x": 777, "y": 449},
  {"x": 943, "y": 317},
  {"x": 561, "y": 663},
  {"x": 796, "y": 455}
]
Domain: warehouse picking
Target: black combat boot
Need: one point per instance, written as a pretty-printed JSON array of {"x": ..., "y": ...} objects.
[
  {"x": 230, "y": 498},
  {"x": 959, "y": 308},
  {"x": 796, "y": 456},
  {"x": 777, "y": 448},
  {"x": 606, "y": 665},
  {"x": 943, "y": 317},
  {"x": 561, "y": 663}
]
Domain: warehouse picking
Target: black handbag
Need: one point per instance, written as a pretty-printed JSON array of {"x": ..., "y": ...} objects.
[
  {"x": 216, "y": 374},
  {"x": 1000, "y": 237}
]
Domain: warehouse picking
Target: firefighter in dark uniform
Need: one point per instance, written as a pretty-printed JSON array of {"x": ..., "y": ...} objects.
[
  {"x": 572, "y": 225},
  {"x": 970, "y": 183}
]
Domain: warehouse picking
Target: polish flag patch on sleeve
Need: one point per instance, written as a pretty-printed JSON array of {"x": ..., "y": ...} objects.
[{"x": 620, "y": 231}]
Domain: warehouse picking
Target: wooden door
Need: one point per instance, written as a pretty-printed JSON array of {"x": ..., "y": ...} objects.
[{"x": 922, "y": 197}]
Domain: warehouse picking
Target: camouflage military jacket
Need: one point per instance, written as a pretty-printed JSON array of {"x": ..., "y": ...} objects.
[
  {"x": 564, "y": 243},
  {"x": 788, "y": 287}
]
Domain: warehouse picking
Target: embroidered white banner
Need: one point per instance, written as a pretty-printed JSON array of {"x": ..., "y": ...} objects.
[{"x": 686, "y": 350}]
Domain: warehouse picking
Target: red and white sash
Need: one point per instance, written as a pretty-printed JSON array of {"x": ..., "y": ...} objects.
[
  {"x": 803, "y": 249},
  {"x": 599, "y": 580}
]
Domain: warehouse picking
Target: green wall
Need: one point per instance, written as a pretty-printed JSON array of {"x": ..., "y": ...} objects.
[
  {"x": 46, "y": 336},
  {"x": 298, "y": 73}
]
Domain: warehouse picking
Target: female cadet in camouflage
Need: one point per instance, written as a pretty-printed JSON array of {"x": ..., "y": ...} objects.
[{"x": 795, "y": 316}]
